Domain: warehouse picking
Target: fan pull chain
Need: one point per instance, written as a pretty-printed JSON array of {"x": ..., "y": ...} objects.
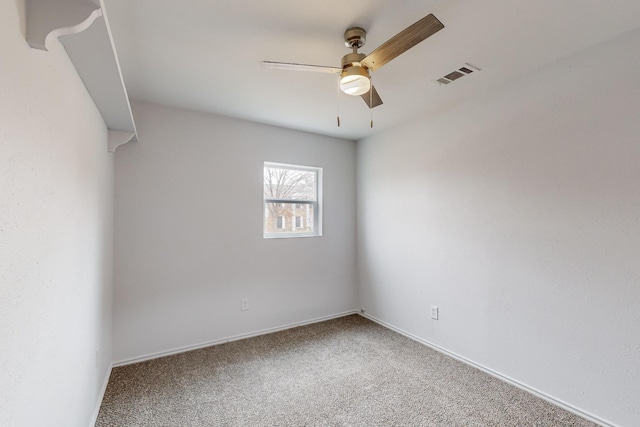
[{"x": 338, "y": 99}]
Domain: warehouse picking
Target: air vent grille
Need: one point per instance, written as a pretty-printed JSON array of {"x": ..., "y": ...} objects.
[
  {"x": 455, "y": 75},
  {"x": 465, "y": 70}
]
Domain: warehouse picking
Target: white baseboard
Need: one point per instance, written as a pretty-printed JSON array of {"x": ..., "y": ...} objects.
[
  {"x": 228, "y": 339},
  {"x": 100, "y": 397},
  {"x": 505, "y": 378}
]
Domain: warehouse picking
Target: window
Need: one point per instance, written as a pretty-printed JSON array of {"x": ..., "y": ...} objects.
[{"x": 292, "y": 201}]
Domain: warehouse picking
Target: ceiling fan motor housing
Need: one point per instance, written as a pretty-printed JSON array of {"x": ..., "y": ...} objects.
[{"x": 352, "y": 59}]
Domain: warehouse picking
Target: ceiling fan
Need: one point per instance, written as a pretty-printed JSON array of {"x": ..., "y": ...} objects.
[{"x": 355, "y": 77}]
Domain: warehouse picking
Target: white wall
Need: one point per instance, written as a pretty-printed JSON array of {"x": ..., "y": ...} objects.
[
  {"x": 56, "y": 186},
  {"x": 189, "y": 246},
  {"x": 518, "y": 214}
]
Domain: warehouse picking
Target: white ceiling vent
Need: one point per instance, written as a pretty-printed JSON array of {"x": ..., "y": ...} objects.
[{"x": 465, "y": 70}]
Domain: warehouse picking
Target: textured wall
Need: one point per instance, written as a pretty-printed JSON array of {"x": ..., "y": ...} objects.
[
  {"x": 56, "y": 184},
  {"x": 518, "y": 214},
  {"x": 189, "y": 239}
]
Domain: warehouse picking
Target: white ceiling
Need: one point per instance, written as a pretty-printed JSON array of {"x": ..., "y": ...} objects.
[{"x": 205, "y": 55}]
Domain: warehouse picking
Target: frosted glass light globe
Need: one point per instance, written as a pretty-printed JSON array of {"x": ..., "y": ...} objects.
[
  {"x": 355, "y": 81},
  {"x": 355, "y": 85}
]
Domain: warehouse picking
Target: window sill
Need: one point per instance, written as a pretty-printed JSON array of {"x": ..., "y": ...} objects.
[{"x": 289, "y": 235}]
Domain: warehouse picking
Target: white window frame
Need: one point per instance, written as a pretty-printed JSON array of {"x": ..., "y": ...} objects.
[{"x": 317, "y": 204}]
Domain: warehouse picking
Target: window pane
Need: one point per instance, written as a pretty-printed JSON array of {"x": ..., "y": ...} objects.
[
  {"x": 289, "y": 184},
  {"x": 292, "y": 200},
  {"x": 288, "y": 218}
]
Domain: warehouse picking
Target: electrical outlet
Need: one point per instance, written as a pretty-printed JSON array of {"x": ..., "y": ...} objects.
[
  {"x": 244, "y": 304},
  {"x": 434, "y": 312}
]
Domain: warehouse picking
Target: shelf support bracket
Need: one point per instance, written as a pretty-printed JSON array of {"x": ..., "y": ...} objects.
[
  {"x": 83, "y": 29},
  {"x": 117, "y": 138},
  {"x": 59, "y": 17}
]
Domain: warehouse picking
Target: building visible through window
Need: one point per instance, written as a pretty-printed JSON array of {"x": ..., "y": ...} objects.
[{"x": 292, "y": 200}]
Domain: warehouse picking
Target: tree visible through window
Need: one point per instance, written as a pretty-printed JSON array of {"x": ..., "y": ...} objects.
[{"x": 292, "y": 200}]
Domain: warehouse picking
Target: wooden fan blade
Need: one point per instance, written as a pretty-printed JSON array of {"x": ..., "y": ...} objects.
[
  {"x": 403, "y": 41},
  {"x": 301, "y": 67},
  {"x": 372, "y": 100}
]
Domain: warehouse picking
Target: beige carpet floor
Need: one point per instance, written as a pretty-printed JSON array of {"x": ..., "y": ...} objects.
[{"x": 343, "y": 372}]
